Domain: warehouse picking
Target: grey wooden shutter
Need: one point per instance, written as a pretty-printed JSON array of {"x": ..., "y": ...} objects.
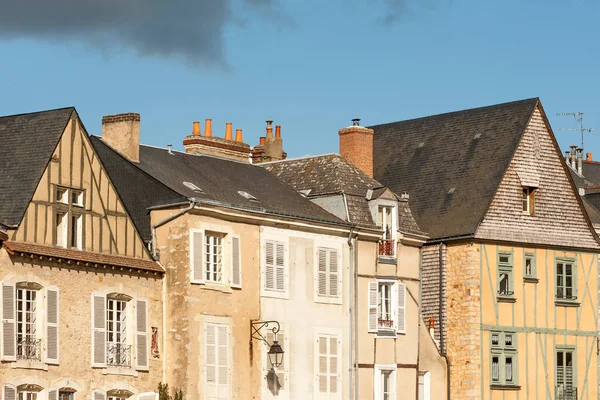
[
  {"x": 197, "y": 256},
  {"x": 142, "y": 334},
  {"x": 52, "y": 325},
  {"x": 401, "y": 324},
  {"x": 98, "y": 331},
  {"x": 9, "y": 340},
  {"x": 52, "y": 394},
  {"x": 9, "y": 392},
  {"x": 373, "y": 299},
  {"x": 322, "y": 273},
  {"x": 236, "y": 262}
]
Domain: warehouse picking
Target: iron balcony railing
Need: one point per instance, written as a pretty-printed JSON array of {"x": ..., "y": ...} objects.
[
  {"x": 565, "y": 393},
  {"x": 29, "y": 349},
  {"x": 118, "y": 355},
  {"x": 386, "y": 247}
]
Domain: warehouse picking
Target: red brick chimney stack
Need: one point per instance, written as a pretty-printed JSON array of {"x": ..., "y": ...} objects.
[{"x": 356, "y": 146}]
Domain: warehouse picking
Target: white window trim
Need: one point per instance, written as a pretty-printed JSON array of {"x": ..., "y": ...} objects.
[
  {"x": 264, "y": 292},
  {"x": 379, "y": 368},
  {"x": 225, "y": 257},
  {"x": 330, "y": 332},
  {"x": 341, "y": 271}
]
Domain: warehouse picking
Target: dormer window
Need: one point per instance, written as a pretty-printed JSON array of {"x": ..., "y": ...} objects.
[{"x": 528, "y": 200}]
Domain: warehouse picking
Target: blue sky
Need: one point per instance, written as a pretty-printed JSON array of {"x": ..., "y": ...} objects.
[{"x": 312, "y": 65}]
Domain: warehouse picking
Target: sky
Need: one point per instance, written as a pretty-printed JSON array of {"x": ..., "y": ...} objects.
[{"x": 311, "y": 65}]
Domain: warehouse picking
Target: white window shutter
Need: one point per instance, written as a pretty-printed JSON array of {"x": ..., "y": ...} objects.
[
  {"x": 197, "y": 256},
  {"x": 280, "y": 274},
  {"x": 322, "y": 272},
  {"x": 224, "y": 369},
  {"x": 210, "y": 361},
  {"x": 148, "y": 396},
  {"x": 401, "y": 315},
  {"x": 270, "y": 266},
  {"x": 52, "y": 394},
  {"x": 9, "y": 339},
  {"x": 334, "y": 274},
  {"x": 141, "y": 323},
  {"x": 236, "y": 262},
  {"x": 372, "y": 297},
  {"x": 52, "y": 325},
  {"x": 322, "y": 357},
  {"x": 99, "y": 395},
  {"x": 98, "y": 331},
  {"x": 9, "y": 392}
]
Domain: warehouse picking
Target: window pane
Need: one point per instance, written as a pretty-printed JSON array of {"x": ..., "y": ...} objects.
[
  {"x": 504, "y": 283},
  {"x": 528, "y": 266},
  {"x": 508, "y": 363},
  {"x": 495, "y": 369},
  {"x": 508, "y": 340},
  {"x": 495, "y": 339}
]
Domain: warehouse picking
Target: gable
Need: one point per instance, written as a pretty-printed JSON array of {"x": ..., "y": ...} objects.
[
  {"x": 558, "y": 218},
  {"x": 106, "y": 225}
]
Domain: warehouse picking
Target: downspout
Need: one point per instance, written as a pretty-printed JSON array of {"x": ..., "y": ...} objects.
[
  {"x": 356, "y": 315},
  {"x": 420, "y": 316},
  {"x": 164, "y": 284},
  {"x": 350, "y": 289},
  {"x": 442, "y": 342}
]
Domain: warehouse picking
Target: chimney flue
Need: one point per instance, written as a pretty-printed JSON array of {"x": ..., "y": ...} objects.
[
  {"x": 196, "y": 130},
  {"x": 269, "y": 128},
  {"x": 238, "y": 136},
  {"x": 208, "y": 127},
  {"x": 278, "y": 131},
  {"x": 580, "y": 161},
  {"x": 356, "y": 122},
  {"x": 261, "y": 140},
  {"x": 588, "y": 157},
  {"x": 228, "y": 132},
  {"x": 356, "y": 146}
]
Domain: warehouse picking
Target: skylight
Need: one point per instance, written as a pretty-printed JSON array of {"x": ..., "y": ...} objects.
[
  {"x": 247, "y": 195},
  {"x": 193, "y": 187}
]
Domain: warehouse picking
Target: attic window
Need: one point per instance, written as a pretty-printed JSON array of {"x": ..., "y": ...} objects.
[
  {"x": 451, "y": 190},
  {"x": 421, "y": 145},
  {"x": 193, "y": 187},
  {"x": 247, "y": 195},
  {"x": 528, "y": 200},
  {"x": 477, "y": 136},
  {"x": 305, "y": 192}
]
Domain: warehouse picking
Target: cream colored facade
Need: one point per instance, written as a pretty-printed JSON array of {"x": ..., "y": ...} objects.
[{"x": 58, "y": 279}]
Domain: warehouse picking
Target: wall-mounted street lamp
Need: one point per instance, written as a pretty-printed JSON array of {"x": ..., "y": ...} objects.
[{"x": 275, "y": 352}]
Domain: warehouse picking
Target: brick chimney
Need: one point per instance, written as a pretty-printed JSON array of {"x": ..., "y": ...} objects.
[
  {"x": 588, "y": 157},
  {"x": 356, "y": 146},
  {"x": 226, "y": 147},
  {"x": 270, "y": 147},
  {"x": 122, "y": 133}
]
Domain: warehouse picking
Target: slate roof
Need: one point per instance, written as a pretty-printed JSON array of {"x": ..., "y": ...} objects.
[
  {"x": 331, "y": 174},
  {"x": 591, "y": 182},
  {"x": 427, "y": 157},
  {"x": 27, "y": 142},
  {"x": 159, "y": 177}
]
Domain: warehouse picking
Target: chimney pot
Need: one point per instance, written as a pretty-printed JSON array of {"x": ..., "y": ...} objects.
[
  {"x": 208, "y": 127},
  {"x": 580, "y": 161},
  {"x": 278, "y": 131},
  {"x": 405, "y": 196},
  {"x": 196, "y": 130},
  {"x": 588, "y": 156},
  {"x": 228, "y": 132},
  {"x": 262, "y": 140},
  {"x": 431, "y": 323},
  {"x": 269, "y": 128},
  {"x": 238, "y": 135},
  {"x": 356, "y": 122}
]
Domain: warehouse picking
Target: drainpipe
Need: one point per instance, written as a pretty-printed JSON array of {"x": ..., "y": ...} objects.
[
  {"x": 356, "y": 315},
  {"x": 350, "y": 286},
  {"x": 442, "y": 342},
  {"x": 166, "y": 220}
]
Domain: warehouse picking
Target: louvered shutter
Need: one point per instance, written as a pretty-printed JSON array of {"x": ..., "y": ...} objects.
[
  {"x": 141, "y": 323},
  {"x": 280, "y": 272},
  {"x": 401, "y": 315},
  {"x": 148, "y": 396},
  {"x": 334, "y": 275},
  {"x": 236, "y": 262},
  {"x": 210, "y": 362},
  {"x": 269, "y": 265},
  {"x": 223, "y": 361},
  {"x": 322, "y": 273},
  {"x": 52, "y": 325},
  {"x": 373, "y": 299},
  {"x": 9, "y": 340},
  {"x": 197, "y": 257},
  {"x": 99, "y": 395},
  {"x": 98, "y": 331},
  {"x": 322, "y": 365},
  {"x": 9, "y": 392},
  {"x": 52, "y": 394}
]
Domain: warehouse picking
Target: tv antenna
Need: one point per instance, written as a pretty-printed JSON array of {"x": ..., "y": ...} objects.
[{"x": 579, "y": 118}]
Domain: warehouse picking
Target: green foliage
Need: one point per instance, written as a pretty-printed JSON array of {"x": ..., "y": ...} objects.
[{"x": 163, "y": 393}]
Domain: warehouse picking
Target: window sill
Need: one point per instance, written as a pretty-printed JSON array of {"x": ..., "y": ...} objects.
[
  {"x": 530, "y": 279},
  {"x": 328, "y": 300},
  {"x": 119, "y": 371},
  {"x": 505, "y": 387},
  {"x": 274, "y": 294},
  {"x": 218, "y": 287},
  {"x": 387, "y": 260},
  {"x": 23, "y": 364},
  {"x": 566, "y": 303},
  {"x": 506, "y": 299},
  {"x": 386, "y": 334}
]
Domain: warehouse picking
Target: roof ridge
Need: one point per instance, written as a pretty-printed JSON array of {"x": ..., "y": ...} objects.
[
  {"x": 37, "y": 112},
  {"x": 301, "y": 158}
]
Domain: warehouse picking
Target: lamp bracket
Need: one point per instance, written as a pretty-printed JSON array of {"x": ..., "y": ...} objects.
[{"x": 257, "y": 326}]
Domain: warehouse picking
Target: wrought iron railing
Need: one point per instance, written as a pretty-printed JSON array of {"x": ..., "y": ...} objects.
[
  {"x": 29, "y": 349},
  {"x": 506, "y": 293},
  {"x": 565, "y": 393},
  {"x": 385, "y": 324},
  {"x": 118, "y": 355},
  {"x": 386, "y": 247}
]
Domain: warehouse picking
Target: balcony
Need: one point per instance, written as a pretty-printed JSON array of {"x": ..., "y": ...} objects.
[
  {"x": 118, "y": 355},
  {"x": 386, "y": 324},
  {"x": 387, "y": 248},
  {"x": 565, "y": 393},
  {"x": 29, "y": 349}
]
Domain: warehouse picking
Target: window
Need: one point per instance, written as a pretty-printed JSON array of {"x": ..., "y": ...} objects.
[
  {"x": 217, "y": 370},
  {"x": 529, "y": 265},
  {"x": 387, "y": 307},
  {"x": 385, "y": 382},
  {"x": 328, "y": 366},
  {"x": 276, "y": 378},
  {"x": 25, "y": 395},
  {"x": 565, "y": 374},
  {"x": 22, "y": 392},
  {"x": 385, "y": 220},
  {"x": 213, "y": 258},
  {"x": 119, "y": 324},
  {"x": 528, "y": 200},
  {"x": 505, "y": 275},
  {"x": 424, "y": 385},
  {"x": 28, "y": 345},
  {"x": 566, "y": 289},
  {"x": 65, "y": 395},
  {"x": 503, "y": 358},
  {"x": 68, "y": 218},
  {"x": 328, "y": 275},
  {"x": 275, "y": 274}
]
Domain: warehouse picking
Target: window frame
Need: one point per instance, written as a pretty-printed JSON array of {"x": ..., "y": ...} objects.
[
  {"x": 217, "y": 322},
  {"x": 329, "y": 333},
  {"x": 378, "y": 381},
  {"x": 528, "y": 200},
  {"x": 574, "y": 289},
  {"x": 504, "y": 351},
  {"x": 505, "y": 267},
  {"x": 63, "y": 234},
  {"x": 268, "y": 292},
  {"x": 532, "y": 277},
  {"x": 565, "y": 349},
  {"x": 207, "y": 265},
  {"x": 398, "y": 326}
]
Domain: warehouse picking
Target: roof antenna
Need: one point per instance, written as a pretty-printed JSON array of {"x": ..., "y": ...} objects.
[
  {"x": 170, "y": 148},
  {"x": 579, "y": 118}
]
